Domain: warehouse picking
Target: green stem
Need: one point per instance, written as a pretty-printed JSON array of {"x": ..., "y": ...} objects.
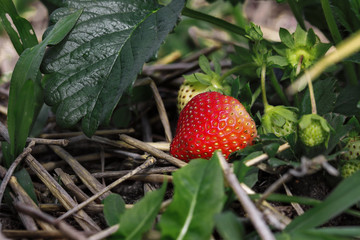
[
  {"x": 263, "y": 88},
  {"x": 335, "y": 33},
  {"x": 213, "y": 20},
  {"x": 278, "y": 88},
  {"x": 235, "y": 70},
  {"x": 296, "y": 11},
  {"x": 330, "y": 20},
  {"x": 312, "y": 97}
]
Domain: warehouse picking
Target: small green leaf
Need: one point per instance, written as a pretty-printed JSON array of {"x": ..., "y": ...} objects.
[
  {"x": 279, "y": 61},
  {"x": 340, "y": 129},
  {"x": 229, "y": 226},
  {"x": 24, "y": 179},
  {"x": 271, "y": 149},
  {"x": 300, "y": 36},
  {"x": 286, "y": 38},
  {"x": 140, "y": 218},
  {"x": 22, "y": 35},
  {"x": 205, "y": 65},
  {"x": 114, "y": 207},
  {"x": 310, "y": 38},
  {"x": 203, "y": 78},
  {"x": 198, "y": 196}
]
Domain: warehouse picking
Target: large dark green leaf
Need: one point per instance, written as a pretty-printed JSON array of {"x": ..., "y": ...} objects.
[
  {"x": 102, "y": 56},
  {"x": 21, "y": 33},
  {"x": 25, "y": 97},
  {"x": 198, "y": 196},
  {"x": 347, "y": 101}
]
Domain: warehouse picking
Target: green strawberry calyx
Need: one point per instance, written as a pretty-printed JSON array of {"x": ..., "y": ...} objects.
[
  {"x": 303, "y": 45},
  {"x": 209, "y": 80},
  {"x": 280, "y": 120},
  {"x": 314, "y": 130}
]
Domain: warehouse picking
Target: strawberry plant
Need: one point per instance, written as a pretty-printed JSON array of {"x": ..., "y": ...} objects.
[{"x": 269, "y": 118}]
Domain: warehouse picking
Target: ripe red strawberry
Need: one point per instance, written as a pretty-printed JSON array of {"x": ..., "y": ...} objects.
[{"x": 212, "y": 121}]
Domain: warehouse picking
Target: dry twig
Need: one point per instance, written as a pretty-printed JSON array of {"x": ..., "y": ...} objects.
[
  {"x": 151, "y": 150},
  {"x": 66, "y": 200},
  {"x": 254, "y": 214},
  {"x": 12, "y": 168},
  {"x": 92, "y": 183},
  {"x": 150, "y": 161},
  {"x": 64, "y": 228}
]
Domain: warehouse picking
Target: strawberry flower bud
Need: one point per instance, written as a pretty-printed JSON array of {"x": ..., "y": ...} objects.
[{"x": 279, "y": 120}]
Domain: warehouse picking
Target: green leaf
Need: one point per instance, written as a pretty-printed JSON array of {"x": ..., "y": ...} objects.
[
  {"x": 20, "y": 116},
  {"x": 310, "y": 38},
  {"x": 25, "y": 97},
  {"x": 140, "y": 218},
  {"x": 341, "y": 198},
  {"x": 286, "y": 38},
  {"x": 300, "y": 36},
  {"x": 198, "y": 196},
  {"x": 229, "y": 226},
  {"x": 102, "y": 56},
  {"x": 278, "y": 61},
  {"x": 271, "y": 149},
  {"x": 340, "y": 129},
  {"x": 25, "y": 181},
  {"x": 347, "y": 101},
  {"x": 205, "y": 65},
  {"x": 23, "y": 35},
  {"x": 324, "y": 95},
  {"x": 114, "y": 207}
]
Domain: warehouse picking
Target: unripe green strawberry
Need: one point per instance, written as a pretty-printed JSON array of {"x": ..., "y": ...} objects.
[
  {"x": 314, "y": 130},
  {"x": 353, "y": 147},
  {"x": 279, "y": 120},
  {"x": 212, "y": 121},
  {"x": 187, "y": 91},
  {"x": 196, "y": 83},
  {"x": 349, "y": 168}
]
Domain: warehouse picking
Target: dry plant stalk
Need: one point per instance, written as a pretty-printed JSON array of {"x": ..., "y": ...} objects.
[
  {"x": 91, "y": 182},
  {"x": 12, "y": 168},
  {"x": 162, "y": 111},
  {"x": 70, "y": 185},
  {"x": 151, "y": 150},
  {"x": 24, "y": 197},
  {"x": 64, "y": 228},
  {"x": 254, "y": 214},
  {"x": 65, "y": 199},
  {"x": 98, "y": 132},
  {"x": 149, "y": 162},
  {"x": 83, "y": 158}
]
